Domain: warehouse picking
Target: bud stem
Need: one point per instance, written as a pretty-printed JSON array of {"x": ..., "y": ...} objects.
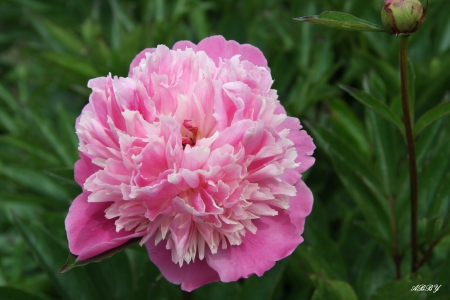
[{"x": 411, "y": 151}]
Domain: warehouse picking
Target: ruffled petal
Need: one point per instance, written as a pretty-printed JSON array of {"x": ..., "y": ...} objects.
[
  {"x": 84, "y": 168},
  {"x": 216, "y": 47},
  {"x": 190, "y": 276},
  {"x": 89, "y": 232},
  {"x": 275, "y": 239},
  {"x": 182, "y": 45},
  {"x": 302, "y": 141},
  {"x": 138, "y": 59},
  {"x": 300, "y": 205}
]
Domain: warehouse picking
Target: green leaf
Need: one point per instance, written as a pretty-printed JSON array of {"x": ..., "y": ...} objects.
[
  {"x": 342, "y": 21},
  {"x": 63, "y": 36},
  {"x": 328, "y": 250},
  {"x": 359, "y": 180},
  {"x": 344, "y": 121},
  {"x": 399, "y": 290},
  {"x": 146, "y": 276},
  {"x": 384, "y": 70},
  {"x": 64, "y": 175},
  {"x": 256, "y": 288},
  {"x": 7, "y": 122},
  {"x": 377, "y": 106},
  {"x": 49, "y": 252},
  {"x": 52, "y": 137},
  {"x": 369, "y": 267},
  {"x": 350, "y": 155},
  {"x": 66, "y": 122},
  {"x": 431, "y": 116},
  {"x": 32, "y": 148},
  {"x": 430, "y": 228},
  {"x": 307, "y": 260},
  {"x": 72, "y": 64},
  {"x": 10, "y": 293},
  {"x": 370, "y": 227},
  {"x": 73, "y": 263},
  {"x": 9, "y": 99},
  {"x": 332, "y": 289},
  {"x": 434, "y": 190},
  {"x": 30, "y": 199},
  {"x": 34, "y": 180},
  {"x": 388, "y": 149},
  {"x": 121, "y": 16}
]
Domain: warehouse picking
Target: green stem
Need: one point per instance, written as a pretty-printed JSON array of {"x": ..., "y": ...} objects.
[{"x": 411, "y": 151}]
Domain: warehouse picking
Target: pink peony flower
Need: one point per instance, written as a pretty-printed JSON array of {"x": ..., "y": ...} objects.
[{"x": 192, "y": 153}]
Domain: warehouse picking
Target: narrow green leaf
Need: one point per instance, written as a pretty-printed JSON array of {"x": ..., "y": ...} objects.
[
  {"x": 426, "y": 144},
  {"x": 328, "y": 250},
  {"x": 66, "y": 122},
  {"x": 121, "y": 16},
  {"x": 333, "y": 289},
  {"x": 35, "y": 180},
  {"x": 146, "y": 276},
  {"x": 64, "y": 175},
  {"x": 434, "y": 177},
  {"x": 309, "y": 261},
  {"x": 32, "y": 148},
  {"x": 371, "y": 229},
  {"x": 377, "y": 106},
  {"x": 431, "y": 116},
  {"x": 30, "y": 199},
  {"x": 384, "y": 70},
  {"x": 73, "y": 263},
  {"x": 7, "y": 122},
  {"x": 344, "y": 152},
  {"x": 256, "y": 288},
  {"x": 63, "y": 36},
  {"x": 430, "y": 229},
  {"x": 49, "y": 252},
  {"x": 72, "y": 64},
  {"x": 345, "y": 122},
  {"x": 52, "y": 138},
  {"x": 375, "y": 85},
  {"x": 369, "y": 267},
  {"x": 9, "y": 99},
  {"x": 11, "y": 293},
  {"x": 342, "y": 21},
  {"x": 358, "y": 179}
]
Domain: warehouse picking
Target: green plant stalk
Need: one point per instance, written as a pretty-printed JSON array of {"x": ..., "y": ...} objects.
[{"x": 411, "y": 150}]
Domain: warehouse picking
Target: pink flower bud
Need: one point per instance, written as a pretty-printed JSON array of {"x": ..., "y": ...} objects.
[{"x": 402, "y": 17}]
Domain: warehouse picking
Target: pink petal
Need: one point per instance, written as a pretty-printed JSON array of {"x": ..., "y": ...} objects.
[
  {"x": 275, "y": 239},
  {"x": 153, "y": 158},
  {"x": 217, "y": 47},
  {"x": 303, "y": 142},
  {"x": 182, "y": 45},
  {"x": 300, "y": 206},
  {"x": 84, "y": 168},
  {"x": 89, "y": 232},
  {"x": 190, "y": 276},
  {"x": 138, "y": 59},
  {"x": 233, "y": 135}
]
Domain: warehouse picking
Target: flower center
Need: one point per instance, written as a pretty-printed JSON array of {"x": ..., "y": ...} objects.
[{"x": 191, "y": 137}]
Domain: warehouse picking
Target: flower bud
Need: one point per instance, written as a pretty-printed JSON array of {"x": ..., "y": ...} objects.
[{"x": 402, "y": 17}]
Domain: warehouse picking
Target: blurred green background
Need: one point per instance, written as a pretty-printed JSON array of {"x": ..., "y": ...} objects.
[{"x": 359, "y": 226}]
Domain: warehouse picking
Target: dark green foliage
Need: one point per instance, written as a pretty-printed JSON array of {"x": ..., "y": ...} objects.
[{"x": 50, "y": 49}]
